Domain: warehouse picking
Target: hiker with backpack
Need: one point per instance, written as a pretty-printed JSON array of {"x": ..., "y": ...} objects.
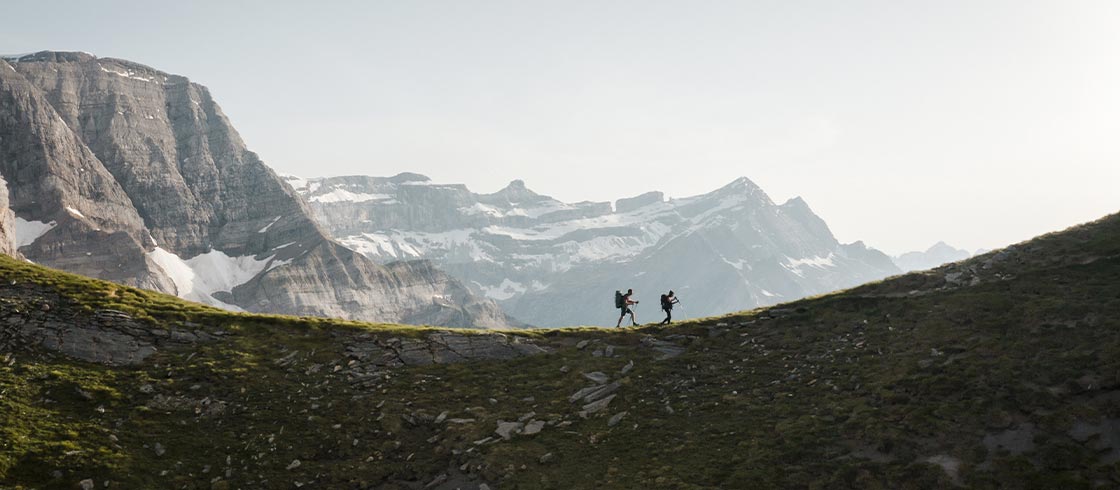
[
  {"x": 667, "y": 302},
  {"x": 623, "y": 302}
]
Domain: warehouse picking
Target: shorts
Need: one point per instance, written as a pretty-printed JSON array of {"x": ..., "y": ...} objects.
[{"x": 626, "y": 310}]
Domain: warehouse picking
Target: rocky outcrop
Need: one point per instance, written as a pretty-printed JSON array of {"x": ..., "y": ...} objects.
[
  {"x": 439, "y": 348},
  {"x": 554, "y": 264},
  {"x": 8, "y": 244},
  {"x": 31, "y": 319},
  {"x": 123, "y": 172},
  {"x": 37, "y": 317}
]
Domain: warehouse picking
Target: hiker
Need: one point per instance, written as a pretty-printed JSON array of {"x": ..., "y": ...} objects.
[
  {"x": 623, "y": 302},
  {"x": 667, "y": 302}
]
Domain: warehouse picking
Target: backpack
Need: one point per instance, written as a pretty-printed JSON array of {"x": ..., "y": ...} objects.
[
  {"x": 665, "y": 301},
  {"x": 619, "y": 302}
]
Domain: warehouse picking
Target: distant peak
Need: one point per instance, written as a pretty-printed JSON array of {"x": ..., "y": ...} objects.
[
  {"x": 743, "y": 182},
  {"x": 942, "y": 247},
  {"x": 796, "y": 201},
  {"x": 740, "y": 185},
  {"x": 516, "y": 190},
  {"x": 408, "y": 177},
  {"x": 516, "y": 187}
]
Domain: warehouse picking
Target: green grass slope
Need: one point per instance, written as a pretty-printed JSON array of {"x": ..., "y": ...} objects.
[{"x": 999, "y": 372}]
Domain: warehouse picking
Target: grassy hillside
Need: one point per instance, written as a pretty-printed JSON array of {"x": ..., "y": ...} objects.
[{"x": 1000, "y": 372}]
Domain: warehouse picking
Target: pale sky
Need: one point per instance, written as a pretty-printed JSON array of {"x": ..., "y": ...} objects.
[{"x": 901, "y": 123}]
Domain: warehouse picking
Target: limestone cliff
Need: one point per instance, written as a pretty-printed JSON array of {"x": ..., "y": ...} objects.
[{"x": 127, "y": 173}]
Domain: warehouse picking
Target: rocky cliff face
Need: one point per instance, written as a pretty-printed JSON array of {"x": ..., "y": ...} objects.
[
  {"x": 120, "y": 171},
  {"x": 8, "y": 245},
  {"x": 553, "y": 263}
]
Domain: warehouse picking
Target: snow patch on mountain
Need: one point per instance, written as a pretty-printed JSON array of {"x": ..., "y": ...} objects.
[
  {"x": 642, "y": 218},
  {"x": 529, "y": 212},
  {"x": 737, "y": 264},
  {"x": 612, "y": 247},
  {"x": 343, "y": 195},
  {"x": 126, "y": 74},
  {"x": 406, "y": 245},
  {"x": 29, "y": 231},
  {"x": 506, "y": 290},
  {"x": 797, "y": 266},
  {"x": 199, "y": 277},
  {"x": 269, "y": 225}
]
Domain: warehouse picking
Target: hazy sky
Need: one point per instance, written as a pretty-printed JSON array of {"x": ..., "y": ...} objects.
[{"x": 901, "y": 123}]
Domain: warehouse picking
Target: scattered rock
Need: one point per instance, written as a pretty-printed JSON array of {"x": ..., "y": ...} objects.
[
  {"x": 506, "y": 430},
  {"x": 86, "y": 484},
  {"x": 616, "y": 419},
  {"x": 597, "y": 377},
  {"x": 599, "y": 405},
  {"x": 533, "y": 427},
  {"x": 625, "y": 369},
  {"x": 294, "y": 464},
  {"x": 592, "y": 393},
  {"x": 158, "y": 448},
  {"x": 460, "y": 421},
  {"x": 545, "y": 458},
  {"x": 582, "y": 344},
  {"x": 665, "y": 348},
  {"x": 582, "y": 393},
  {"x": 603, "y": 391}
]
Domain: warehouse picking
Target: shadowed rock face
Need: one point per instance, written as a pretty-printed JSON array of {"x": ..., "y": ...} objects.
[
  {"x": 107, "y": 159},
  {"x": 8, "y": 243},
  {"x": 54, "y": 180}
]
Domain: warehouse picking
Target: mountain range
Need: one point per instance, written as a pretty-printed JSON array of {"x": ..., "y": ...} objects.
[
  {"x": 115, "y": 170},
  {"x": 552, "y": 263}
]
